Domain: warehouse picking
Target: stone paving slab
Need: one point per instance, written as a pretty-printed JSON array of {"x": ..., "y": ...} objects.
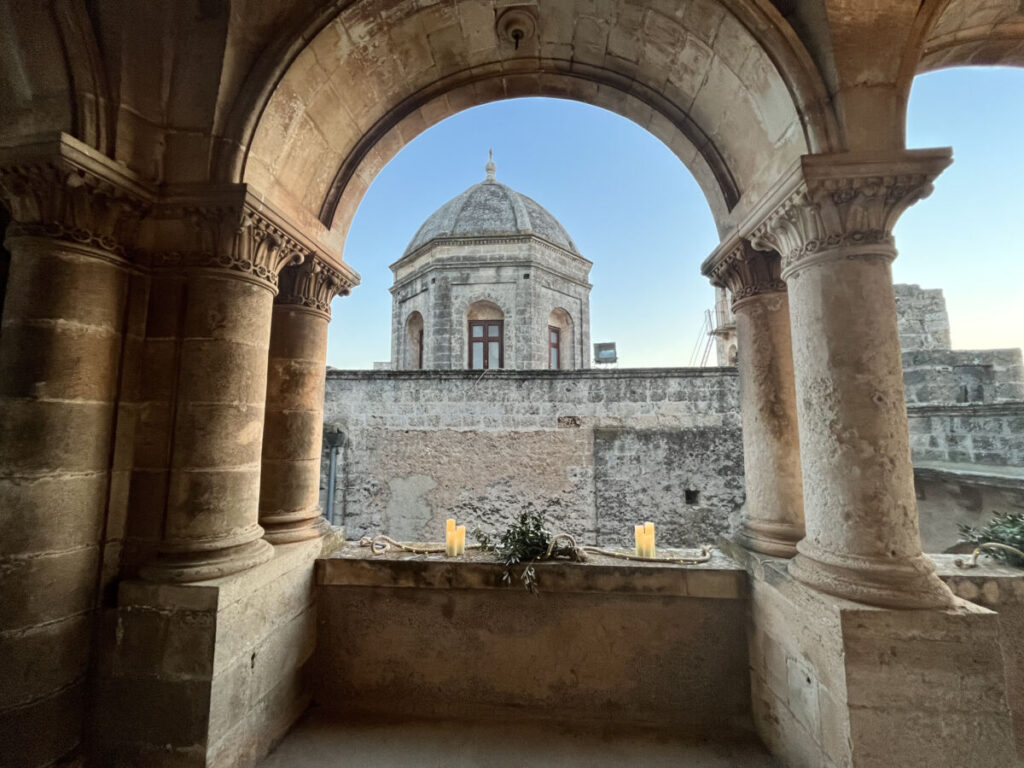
[{"x": 318, "y": 742}]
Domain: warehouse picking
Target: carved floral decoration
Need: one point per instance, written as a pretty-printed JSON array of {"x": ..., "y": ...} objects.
[
  {"x": 60, "y": 200},
  {"x": 747, "y": 272},
  {"x": 313, "y": 284},
  {"x": 839, "y": 213}
]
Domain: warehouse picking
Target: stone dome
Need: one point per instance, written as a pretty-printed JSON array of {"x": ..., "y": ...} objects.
[{"x": 491, "y": 209}]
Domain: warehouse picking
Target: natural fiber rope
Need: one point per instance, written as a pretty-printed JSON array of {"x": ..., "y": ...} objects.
[
  {"x": 703, "y": 557},
  {"x": 959, "y": 562},
  {"x": 380, "y": 544}
]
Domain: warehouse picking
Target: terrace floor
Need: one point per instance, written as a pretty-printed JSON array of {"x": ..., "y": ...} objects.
[{"x": 318, "y": 742}]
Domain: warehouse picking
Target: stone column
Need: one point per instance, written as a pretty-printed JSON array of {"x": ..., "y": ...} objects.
[
  {"x": 293, "y": 431},
  {"x": 72, "y": 211},
  {"x": 773, "y": 520},
  {"x": 833, "y": 227},
  {"x": 233, "y": 255}
]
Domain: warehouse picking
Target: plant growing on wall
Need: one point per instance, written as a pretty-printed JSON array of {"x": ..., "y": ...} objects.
[
  {"x": 526, "y": 540},
  {"x": 1005, "y": 529}
]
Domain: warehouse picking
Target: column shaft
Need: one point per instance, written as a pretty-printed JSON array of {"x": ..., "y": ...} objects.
[
  {"x": 293, "y": 433},
  {"x": 774, "y": 514},
  {"x": 862, "y": 539},
  {"x": 59, "y": 360},
  {"x": 211, "y": 528}
]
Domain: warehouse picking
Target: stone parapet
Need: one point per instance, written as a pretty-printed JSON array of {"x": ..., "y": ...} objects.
[{"x": 604, "y": 641}]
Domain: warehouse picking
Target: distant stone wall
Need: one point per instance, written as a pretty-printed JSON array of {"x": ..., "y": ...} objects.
[
  {"x": 990, "y": 435},
  {"x": 944, "y": 376},
  {"x": 596, "y": 450},
  {"x": 922, "y": 316}
]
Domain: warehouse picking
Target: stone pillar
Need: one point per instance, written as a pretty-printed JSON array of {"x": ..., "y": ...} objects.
[
  {"x": 293, "y": 431},
  {"x": 833, "y": 226},
  {"x": 61, "y": 342},
  {"x": 773, "y": 520},
  {"x": 232, "y": 256}
]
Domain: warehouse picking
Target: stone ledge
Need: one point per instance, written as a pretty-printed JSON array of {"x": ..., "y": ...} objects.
[
  {"x": 509, "y": 374},
  {"x": 354, "y": 566},
  {"x": 1010, "y": 408},
  {"x": 977, "y": 474}
]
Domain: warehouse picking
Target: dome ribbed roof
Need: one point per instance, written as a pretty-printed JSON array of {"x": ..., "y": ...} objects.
[{"x": 491, "y": 209}]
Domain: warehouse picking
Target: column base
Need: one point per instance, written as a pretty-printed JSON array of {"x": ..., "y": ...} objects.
[
  {"x": 906, "y": 583},
  {"x": 289, "y": 531},
  {"x": 775, "y": 539},
  {"x": 182, "y": 567}
]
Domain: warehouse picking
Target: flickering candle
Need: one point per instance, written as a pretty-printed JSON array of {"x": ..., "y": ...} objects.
[
  {"x": 638, "y": 539},
  {"x": 451, "y": 542},
  {"x": 649, "y": 539},
  {"x": 460, "y": 537}
]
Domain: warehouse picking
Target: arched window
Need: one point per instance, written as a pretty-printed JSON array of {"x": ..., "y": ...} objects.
[
  {"x": 485, "y": 333},
  {"x": 414, "y": 342},
  {"x": 733, "y": 354},
  {"x": 560, "y": 341}
]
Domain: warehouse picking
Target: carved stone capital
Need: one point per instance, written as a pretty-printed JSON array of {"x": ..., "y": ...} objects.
[
  {"x": 228, "y": 229},
  {"x": 836, "y": 206},
  {"x": 58, "y": 188},
  {"x": 747, "y": 272},
  {"x": 314, "y": 284}
]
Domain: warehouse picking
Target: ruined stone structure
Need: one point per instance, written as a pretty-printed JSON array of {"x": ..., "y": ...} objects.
[
  {"x": 491, "y": 280},
  {"x": 179, "y": 177}
]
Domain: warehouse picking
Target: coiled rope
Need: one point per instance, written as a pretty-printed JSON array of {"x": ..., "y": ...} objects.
[
  {"x": 973, "y": 563},
  {"x": 380, "y": 544}
]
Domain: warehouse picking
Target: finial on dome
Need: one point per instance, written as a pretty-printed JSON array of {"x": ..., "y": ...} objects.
[{"x": 490, "y": 167}]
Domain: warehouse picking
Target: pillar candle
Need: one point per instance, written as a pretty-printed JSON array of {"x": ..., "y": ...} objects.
[
  {"x": 638, "y": 539},
  {"x": 460, "y": 538},
  {"x": 450, "y": 540},
  {"x": 649, "y": 536}
]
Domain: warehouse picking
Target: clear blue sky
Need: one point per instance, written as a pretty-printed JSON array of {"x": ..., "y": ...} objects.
[{"x": 635, "y": 211}]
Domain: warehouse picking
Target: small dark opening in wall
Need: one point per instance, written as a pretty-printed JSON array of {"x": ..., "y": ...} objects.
[
  {"x": 526, "y": 276},
  {"x": 692, "y": 496}
]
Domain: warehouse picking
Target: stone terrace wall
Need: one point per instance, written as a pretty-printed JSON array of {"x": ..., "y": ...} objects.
[{"x": 597, "y": 450}]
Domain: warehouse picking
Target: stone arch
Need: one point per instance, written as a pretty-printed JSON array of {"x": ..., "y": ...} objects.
[
  {"x": 567, "y": 354},
  {"x": 955, "y": 33},
  {"x": 724, "y": 84},
  {"x": 969, "y": 32},
  {"x": 413, "y": 342}
]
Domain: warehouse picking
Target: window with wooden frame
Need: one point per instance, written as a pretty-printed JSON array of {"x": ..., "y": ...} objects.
[
  {"x": 554, "y": 348},
  {"x": 486, "y": 344}
]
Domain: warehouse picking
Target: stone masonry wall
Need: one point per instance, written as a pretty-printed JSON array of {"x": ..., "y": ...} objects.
[
  {"x": 963, "y": 376},
  {"x": 596, "y": 450},
  {"x": 923, "y": 320},
  {"x": 990, "y": 435}
]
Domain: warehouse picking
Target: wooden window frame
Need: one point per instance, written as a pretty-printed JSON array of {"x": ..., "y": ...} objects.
[
  {"x": 555, "y": 345},
  {"x": 501, "y": 343}
]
